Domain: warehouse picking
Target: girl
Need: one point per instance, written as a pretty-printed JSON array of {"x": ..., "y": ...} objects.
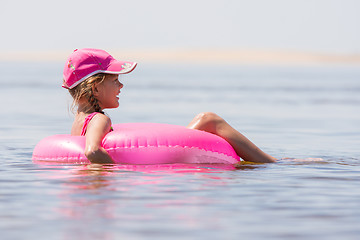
[{"x": 91, "y": 76}]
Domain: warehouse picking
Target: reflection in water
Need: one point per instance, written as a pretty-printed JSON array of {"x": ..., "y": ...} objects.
[
  {"x": 127, "y": 196},
  {"x": 165, "y": 201}
]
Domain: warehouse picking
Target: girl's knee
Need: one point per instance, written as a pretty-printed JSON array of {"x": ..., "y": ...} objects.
[
  {"x": 208, "y": 117},
  {"x": 207, "y": 121}
]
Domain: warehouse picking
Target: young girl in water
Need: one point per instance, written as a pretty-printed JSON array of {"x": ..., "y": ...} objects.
[{"x": 91, "y": 76}]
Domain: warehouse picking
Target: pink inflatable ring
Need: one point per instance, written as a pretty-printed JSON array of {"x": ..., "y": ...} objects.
[{"x": 141, "y": 143}]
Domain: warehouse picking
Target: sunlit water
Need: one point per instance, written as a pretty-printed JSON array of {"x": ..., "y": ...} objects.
[{"x": 306, "y": 116}]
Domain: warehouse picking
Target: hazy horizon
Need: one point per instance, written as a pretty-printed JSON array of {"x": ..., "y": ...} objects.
[{"x": 328, "y": 27}]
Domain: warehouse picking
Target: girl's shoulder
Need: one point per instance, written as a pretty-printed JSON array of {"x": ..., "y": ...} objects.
[
  {"x": 84, "y": 121},
  {"x": 96, "y": 116},
  {"x": 96, "y": 122}
]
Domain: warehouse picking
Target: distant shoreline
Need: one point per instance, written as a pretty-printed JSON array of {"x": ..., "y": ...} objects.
[{"x": 199, "y": 56}]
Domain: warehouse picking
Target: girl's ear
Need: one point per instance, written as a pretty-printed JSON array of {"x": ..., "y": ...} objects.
[{"x": 95, "y": 89}]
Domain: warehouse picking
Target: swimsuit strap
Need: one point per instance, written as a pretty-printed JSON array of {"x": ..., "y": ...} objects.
[{"x": 86, "y": 122}]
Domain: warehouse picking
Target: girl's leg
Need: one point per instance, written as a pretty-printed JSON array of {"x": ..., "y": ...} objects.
[{"x": 212, "y": 123}]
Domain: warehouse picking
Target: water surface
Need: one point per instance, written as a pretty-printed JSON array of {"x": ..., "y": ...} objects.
[{"x": 306, "y": 116}]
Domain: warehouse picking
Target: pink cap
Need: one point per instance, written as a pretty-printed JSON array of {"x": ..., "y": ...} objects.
[{"x": 87, "y": 62}]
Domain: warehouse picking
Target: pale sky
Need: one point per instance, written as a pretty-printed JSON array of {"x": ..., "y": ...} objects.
[{"x": 326, "y": 26}]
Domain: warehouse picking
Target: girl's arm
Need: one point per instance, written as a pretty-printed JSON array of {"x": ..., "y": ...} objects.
[{"x": 98, "y": 127}]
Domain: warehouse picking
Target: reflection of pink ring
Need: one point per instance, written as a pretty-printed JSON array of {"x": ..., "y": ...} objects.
[{"x": 141, "y": 143}]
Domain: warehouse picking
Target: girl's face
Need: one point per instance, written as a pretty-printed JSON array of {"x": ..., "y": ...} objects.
[{"x": 107, "y": 92}]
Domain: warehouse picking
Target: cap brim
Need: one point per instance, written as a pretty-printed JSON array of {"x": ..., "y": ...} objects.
[{"x": 120, "y": 67}]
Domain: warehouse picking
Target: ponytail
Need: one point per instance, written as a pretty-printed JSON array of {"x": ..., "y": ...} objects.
[{"x": 85, "y": 90}]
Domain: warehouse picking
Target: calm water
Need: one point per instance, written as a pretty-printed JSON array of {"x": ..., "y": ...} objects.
[{"x": 310, "y": 115}]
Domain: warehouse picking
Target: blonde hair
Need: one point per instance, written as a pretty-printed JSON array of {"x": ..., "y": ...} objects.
[{"x": 85, "y": 90}]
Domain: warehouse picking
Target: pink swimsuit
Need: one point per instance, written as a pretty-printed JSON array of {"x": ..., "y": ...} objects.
[{"x": 86, "y": 123}]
